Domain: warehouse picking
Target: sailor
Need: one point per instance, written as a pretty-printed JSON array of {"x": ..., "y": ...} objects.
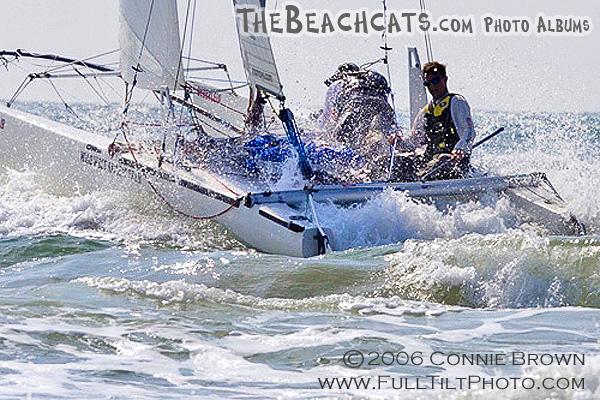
[
  {"x": 254, "y": 120},
  {"x": 335, "y": 84},
  {"x": 366, "y": 119},
  {"x": 442, "y": 134}
]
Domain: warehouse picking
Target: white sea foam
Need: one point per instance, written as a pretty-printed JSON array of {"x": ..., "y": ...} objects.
[
  {"x": 515, "y": 269},
  {"x": 180, "y": 291},
  {"x": 393, "y": 217},
  {"x": 565, "y": 147},
  {"x": 30, "y": 206}
]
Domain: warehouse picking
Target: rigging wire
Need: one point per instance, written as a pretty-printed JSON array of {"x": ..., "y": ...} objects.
[
  {"x": 103, "y": 98},
  {"x": 129, "y": 90},
  {"x": 385, "y": 47},
  {"x": 386, "y": 60},
  {"x": 428, "y": 46},
  {"x": 178, "y": 136},
  {"x": 194, "y": 8},
  {"x": 67, "y": 106},
  {"x": 138, "y": 68},
  {"x": 185, "y": 27},
  {"x": 83, "y": 60},
  {"x": 111, "y": 87},
  {"x": 213, "y": 63},
  {"x": 30, "y": 77}
]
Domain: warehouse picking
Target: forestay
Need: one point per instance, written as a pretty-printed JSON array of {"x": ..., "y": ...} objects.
[
  {"x": 150, "y": 44},
  {"x": 257, "y": 54}
]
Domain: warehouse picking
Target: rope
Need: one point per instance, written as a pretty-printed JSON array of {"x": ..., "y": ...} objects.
[
  {"x": 194, "y": 217},
  {"x": 161, "y": 197}
]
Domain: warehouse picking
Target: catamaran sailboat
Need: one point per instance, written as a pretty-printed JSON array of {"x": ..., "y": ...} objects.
[{"x": 281, "y": 222}]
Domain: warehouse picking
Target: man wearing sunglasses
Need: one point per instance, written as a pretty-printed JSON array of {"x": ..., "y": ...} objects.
[{"x": 442, "y": 133}]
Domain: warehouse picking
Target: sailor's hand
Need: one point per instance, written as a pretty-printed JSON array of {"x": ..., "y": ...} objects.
[
  {"x": 457, "y": 155},
  {"x": 316, "y": 115},
  {"x": 394, "y": 138},
  {"x": 444, "y": 157},
  {"x": 400, "y": 143}
]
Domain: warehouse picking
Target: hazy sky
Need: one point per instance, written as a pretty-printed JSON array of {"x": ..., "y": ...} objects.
[{"x": 494, "y": 73}]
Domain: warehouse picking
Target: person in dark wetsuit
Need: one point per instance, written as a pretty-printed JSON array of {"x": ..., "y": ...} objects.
[
  {"x": 442, "y": 133},
  {"x": 335, "y": 84},
  {"x": 366, "y": 120}
]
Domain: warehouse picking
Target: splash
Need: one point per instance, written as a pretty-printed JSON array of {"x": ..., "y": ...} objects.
[
  {"x": 30, "y": 206},
  {"x": 394, "y": 217},
  {"x": 564, "y": 146},
  {"x": 510, "y": 270}
]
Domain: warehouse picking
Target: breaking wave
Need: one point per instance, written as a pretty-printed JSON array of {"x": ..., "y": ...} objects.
[
  {"x": 31, "y": 205},
  {"x": 512, "y": 270}
]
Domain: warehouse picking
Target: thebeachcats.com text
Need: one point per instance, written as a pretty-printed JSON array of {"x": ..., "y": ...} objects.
[{"x": 292, "y": 19}]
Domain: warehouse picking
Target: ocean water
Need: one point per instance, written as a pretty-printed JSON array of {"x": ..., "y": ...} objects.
[{"x": 109, "y": 295}]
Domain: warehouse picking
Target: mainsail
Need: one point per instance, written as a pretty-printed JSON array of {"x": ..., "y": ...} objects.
[
  {"x": 257, "y": 54},
  {"x": 150, "y": 44}
]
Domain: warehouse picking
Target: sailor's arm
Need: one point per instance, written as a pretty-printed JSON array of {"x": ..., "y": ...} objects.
[
  {"x": 389, "y": 124},
  {"x": 329, "y": 115},
  {"x": 416, "y": 138},
  {"x": 463, "y": 121}
]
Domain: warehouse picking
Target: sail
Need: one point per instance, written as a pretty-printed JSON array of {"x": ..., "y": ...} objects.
[
  {"x": 416, "y": 90},
  {"x": 257, "y": 55},
  {"x": 150, "y": 44}
]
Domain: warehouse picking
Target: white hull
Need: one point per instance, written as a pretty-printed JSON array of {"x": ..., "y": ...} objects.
[{"x": 269, "y": 222}]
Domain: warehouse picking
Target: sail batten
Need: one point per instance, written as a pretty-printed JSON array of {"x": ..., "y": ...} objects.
[
  {"x": 257, "y": 55},
  {"x": 150, "y": 44}
]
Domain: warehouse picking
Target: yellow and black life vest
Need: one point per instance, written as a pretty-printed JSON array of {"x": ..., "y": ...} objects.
[{"x": 439, "y": 128}]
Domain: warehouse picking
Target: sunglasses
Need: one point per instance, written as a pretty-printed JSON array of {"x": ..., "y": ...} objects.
[{"x": 434, "y": 81}]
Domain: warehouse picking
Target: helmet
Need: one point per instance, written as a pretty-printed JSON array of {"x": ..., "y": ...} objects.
[
  {"x": 376, "y": 82},
  {"x": 348, "y": 67},
  {"x": 341, "y": 72}
]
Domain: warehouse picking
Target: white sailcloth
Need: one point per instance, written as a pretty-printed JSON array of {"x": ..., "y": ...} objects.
[
  {"x": 416, "y": 90},
  {"x": 257, "y": 54},
  {"x": 150, "y": 44}
]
